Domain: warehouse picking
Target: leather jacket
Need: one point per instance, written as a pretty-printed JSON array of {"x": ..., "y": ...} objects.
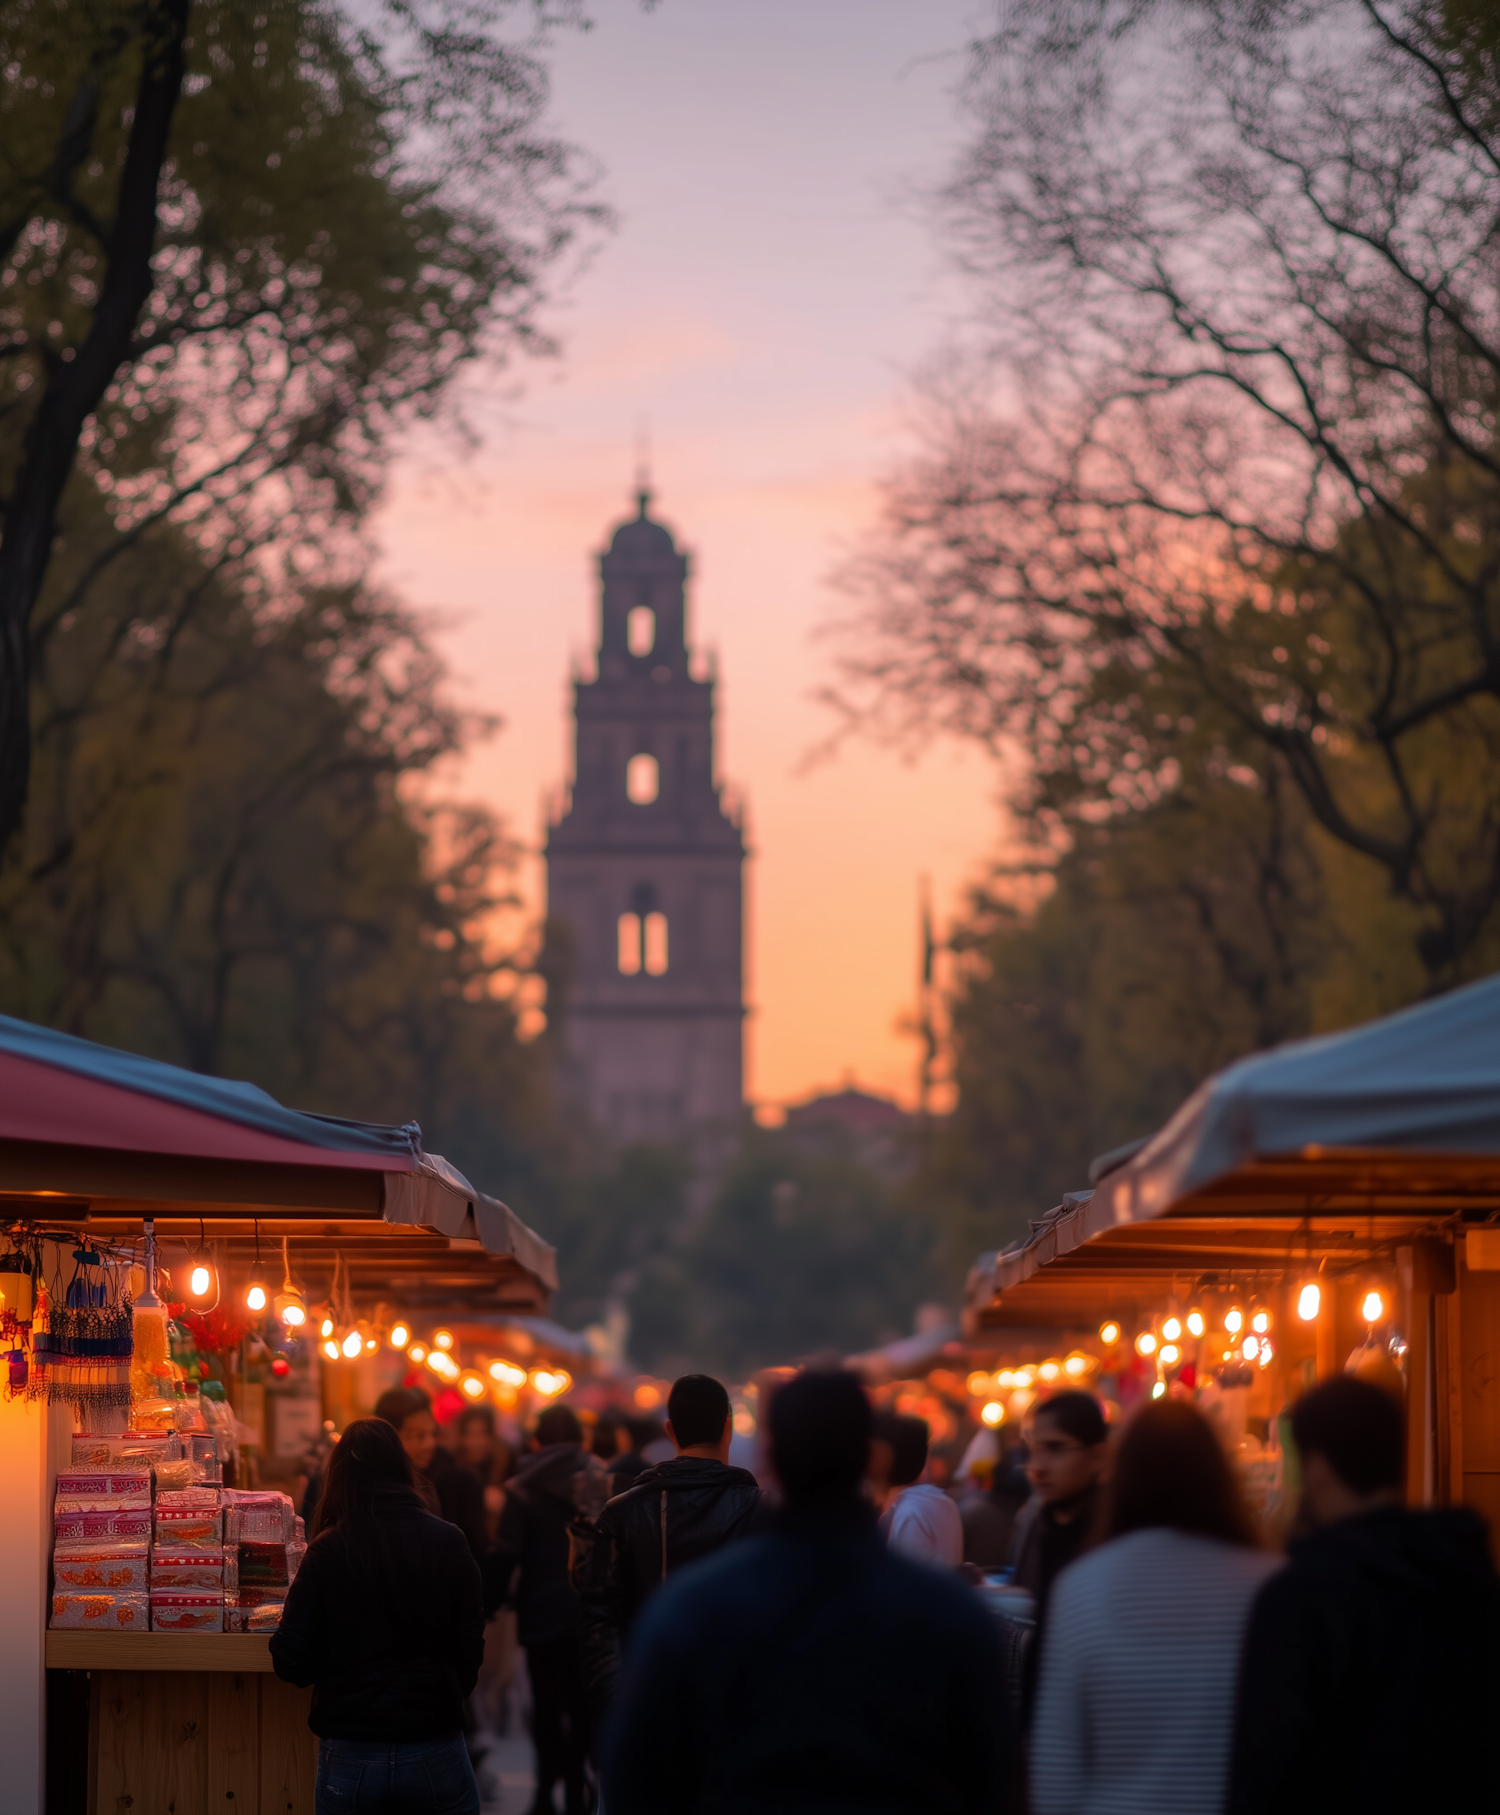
[{"x": 676, "y": 1512}]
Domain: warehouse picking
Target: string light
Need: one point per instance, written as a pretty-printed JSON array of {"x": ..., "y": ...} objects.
[
  {"x": 1170, "y": 1354},
  {"x": 417, "y": 1353},
  {"x": 1172, "y": 1329},
  {"x": 1234, "y": 1320},
  {"x": 289, "y": 1304},
  {"x": 993, "y": 1413},
  {"x": 442, "y": 1339},
  {"x": 1261, "y": 1322},
  {"x": 352, "y": 1344},
  {"x": 203, "y": 1275},
  {"x": 472, "y": 1385},
  {"x": 1109, "y": 1333},
  {"x": 1196, "y": 1322},
  {"x": 1145, "y": 1343},
  {"x": 1373, "y": 1309},
  {"x": 1309, "y": 1301},
  {"x": 256, "y": 1295},
  {"x": 1049, "y": 1370},
  {"x": 331, "y": 1349},
  {"x": 506, "y": 1374},
  {"x": 1076, "y": 1365}
]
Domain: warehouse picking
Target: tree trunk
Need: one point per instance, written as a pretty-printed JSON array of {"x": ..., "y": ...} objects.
[{"x": 73, "y": 392}]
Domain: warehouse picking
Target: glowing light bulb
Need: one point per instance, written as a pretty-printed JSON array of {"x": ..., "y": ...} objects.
[
  {"x": 442, "y": 1339},
  {"x": 417, "y": 1352},
  {"x": 1373, "y": 1309},
  {"x": 326, "y": 1328},
  {"x": 1172, "y": 1329},
  {"x": 198, "y": 1283},
  {"x": 1109, "y": 1333},
  {"x": 1309, "y": 1301},
  {"x": 1196, "y": 1325},
  {"x": 371, "y": 1345},
  {"x": 978, "y": 1384},
  {"x": 993, "y": 1413},
  {"x": 400, "y": 1335},
  {"x": 1261, "y": 1322},
  {"x": 1234, "y": 1320},
  {"x": 331, "y": 1349},
  {"x": 255, "y": 1298},
  {"x": 353, "y": 1343},
  {"x": 1170, "y": 1354},
  {"x": 473, "y": 1386},
  {"x": 1049, "y": 1370},
  {"x": 1145, "y": 1343},
  {"x": 507, "y": 1374},
  {"x": 294, "y": 1315},
  {"x": 1076, "y": 1365},
  {"x": 1159, "y": 1390}
]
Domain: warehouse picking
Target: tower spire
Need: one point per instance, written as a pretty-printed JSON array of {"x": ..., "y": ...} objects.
[{"x": 642, "y": 465}]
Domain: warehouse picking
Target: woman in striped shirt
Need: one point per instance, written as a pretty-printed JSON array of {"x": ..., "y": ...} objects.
[{"x": 1135, "y": 1708}]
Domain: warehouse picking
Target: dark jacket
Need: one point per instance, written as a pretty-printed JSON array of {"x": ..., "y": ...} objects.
[
  {"x": 1372, "y": 1672},
  {"x": 460, "y": 1495},
  {"x": 1044, "y": 1547},
  {"x": 389, "y": 1631},
  {"x": 556, "y": 1488},
  {"x": 704, "y": 1505},
  {"x": 804, "y": 1669}
]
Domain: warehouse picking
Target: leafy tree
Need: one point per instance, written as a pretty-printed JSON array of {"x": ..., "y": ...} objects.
[
  {"x": 240, "y": 240},
  {"x": 1236, "y": 502}
]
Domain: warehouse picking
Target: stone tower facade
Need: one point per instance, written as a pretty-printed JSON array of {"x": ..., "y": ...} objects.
[{"x": 644, "y": 867}]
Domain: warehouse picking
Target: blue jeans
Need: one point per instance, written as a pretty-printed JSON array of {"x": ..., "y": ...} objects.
[{"x": 412, "y": 1777}]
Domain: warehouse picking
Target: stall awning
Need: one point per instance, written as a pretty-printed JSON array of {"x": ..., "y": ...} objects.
[
  {"x": 1398, "y": 1120},
  {"x": 90, "y": 1134}
]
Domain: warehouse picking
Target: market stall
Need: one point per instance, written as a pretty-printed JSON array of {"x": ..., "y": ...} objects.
[
  {"x": 1332, "y": 1203},
  {"x": 110, "y": 1455}
]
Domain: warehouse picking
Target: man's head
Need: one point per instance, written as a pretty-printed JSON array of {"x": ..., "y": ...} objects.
[
  {"x": 819, "y": 1425},
  {"x": 1067, "y": 1447},
  {"x": 558, "y": 1424},
  {"x": 1351, "y": 1443},
  {"x": 408, "y": 1410},
  {"x": 906, "y": 1440},
  {"x": 699, "y": 1418}
]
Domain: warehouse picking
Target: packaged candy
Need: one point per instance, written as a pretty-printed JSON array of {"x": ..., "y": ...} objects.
[
  {"x": 75, "y": 1529},
  {"x": 100, "y": 1612},
  {"x": 202, "y": 1570},
  {"x": 264, "y": 1616},
  {"x": 294, "y": 1555},
  {"x": 114, "y": 1567},
  {"x": 103, "y": 1483},
  {"x": 263, "y": 1564},
  {"x": 231, "y": 1568},
  {"x": 259, "y": 1514},
  {"x": 196, "y": 1495},
  {"x": 90, "y": 1451},
  {"x": 174, "y": 1610},
  {"x": 172, "y": 1477},
  {"x": 188, "y": 1528}
]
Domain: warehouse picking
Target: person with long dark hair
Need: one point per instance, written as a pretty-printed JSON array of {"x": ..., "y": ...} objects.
[
  {"x": 1135, "y": 1706},
  {"x": 385, "y": 1621}
]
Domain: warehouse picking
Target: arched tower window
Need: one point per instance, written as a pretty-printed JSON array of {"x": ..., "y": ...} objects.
[
  {"x": 640, "y": 630},
  {"x": 642, "y": 779},
  {"x": 654, "y": 944},
  {"x": 628, "y": 936}
]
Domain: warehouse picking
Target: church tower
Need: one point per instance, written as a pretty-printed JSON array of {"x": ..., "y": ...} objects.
[{"x": 644, "y": 866}]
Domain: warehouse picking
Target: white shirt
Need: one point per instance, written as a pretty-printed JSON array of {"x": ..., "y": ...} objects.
[
  {"x": 1135, "y": 1706},
  {"x": 926, "y": 1526}
]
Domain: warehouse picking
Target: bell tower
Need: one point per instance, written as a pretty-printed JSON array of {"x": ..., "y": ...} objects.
[{"x": 644, "y": 866}]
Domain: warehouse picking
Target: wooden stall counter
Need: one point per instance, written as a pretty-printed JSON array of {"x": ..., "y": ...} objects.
[{"x": 183, "y": 1722}]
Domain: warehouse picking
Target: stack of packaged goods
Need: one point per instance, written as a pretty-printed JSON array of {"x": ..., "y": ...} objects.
[
  {"x": 267, "y": 1539},
  {"x": 187, "y": 1559},
  {"x": 101, "y": 1522}
]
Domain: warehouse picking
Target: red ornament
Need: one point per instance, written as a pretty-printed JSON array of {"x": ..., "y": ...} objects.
[
  {"x": 214, "y": 1332},
  {"x": 281, "y": 1367}
]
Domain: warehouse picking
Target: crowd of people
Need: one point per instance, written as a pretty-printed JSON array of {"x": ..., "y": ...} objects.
[{"x": 700, "y": 1640}]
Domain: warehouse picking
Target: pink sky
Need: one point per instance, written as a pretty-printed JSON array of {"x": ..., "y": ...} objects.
[{"x": 760, "y": 304}]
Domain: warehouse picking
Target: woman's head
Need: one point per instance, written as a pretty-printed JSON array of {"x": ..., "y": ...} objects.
[
  {"x": 1170, "y": 1470},
  {"x": 368, "y": 1458},
  {"x": 1067, "y": 1452},
  {"x": 408, "y": 1411},
  {"x": 474, "y": 1436}
]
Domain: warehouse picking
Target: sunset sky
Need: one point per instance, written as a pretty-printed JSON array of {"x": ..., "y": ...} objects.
[{"x": 768, "y": 291}]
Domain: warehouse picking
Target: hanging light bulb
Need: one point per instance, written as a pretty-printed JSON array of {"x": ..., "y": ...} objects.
[
  {"x": 1250, "y": 1347},
  {"x": 325, "y": 1329},
  {"x": 1309, "y": 1301},
  {"x": 507, "y": 1373},
  {"x": 1170, "y": 1354},
  {"x": 352, "y": 1344},
  {"x": 1109, "y": 1333},
  {"x": 331, "y": 1349},
  {"x": 1373, "y": 1308},
  {"x": 442, "y": 1339},
  {"x": 400, "y": 1335},
  {"x": 1196, "y": 1322},
  {"x": 472, "y": 1384},
  {"x": 417, "y": 1353},
  {"x": 203, "y": 1276},
  {"x": 256, "y": 1295},
  {"x": 1234, "y": 1320},
  {"x": 1172, "y": 1329},
  {"x": 1145, "y": 1343},
  {"x": 289, "y": 1304}
]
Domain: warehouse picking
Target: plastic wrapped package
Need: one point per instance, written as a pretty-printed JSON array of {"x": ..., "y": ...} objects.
[
  {"x": 262, "y": 1515},
  {"x": 231, "y": 1568},
  {"x": 151, "y": 1363},
  {"x": 294, "y": 1554},
  {"x": 73, "y": 1530},
  {"x": 262, "y": 1616},
  {"x": 101, "y": 1490},
  {"x": 199, "y": 1570},
  {"x": 173, "y": 1477},
  {"x": 101, "y": 1612},
  {"x": 188, "y": 1528},
  {"x": 263, "y": 1564},
  {"x": 174, "y": 1610},
  {"x": 206, "y": 1463},
  {"x": 90, "y": 1451},
  {"x": 115, "y": 1567}
]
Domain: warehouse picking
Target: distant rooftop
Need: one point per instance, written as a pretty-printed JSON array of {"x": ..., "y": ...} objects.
[{"x": 858, "y": 1110}]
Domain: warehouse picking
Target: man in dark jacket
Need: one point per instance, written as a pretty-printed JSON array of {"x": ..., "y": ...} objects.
[
  {"x": 556, "y": 1493},
  {"x": 676, "y": 1512},
  {"x": 1372, "y": 1664},
  {"x": 806, "y": 1668}
]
